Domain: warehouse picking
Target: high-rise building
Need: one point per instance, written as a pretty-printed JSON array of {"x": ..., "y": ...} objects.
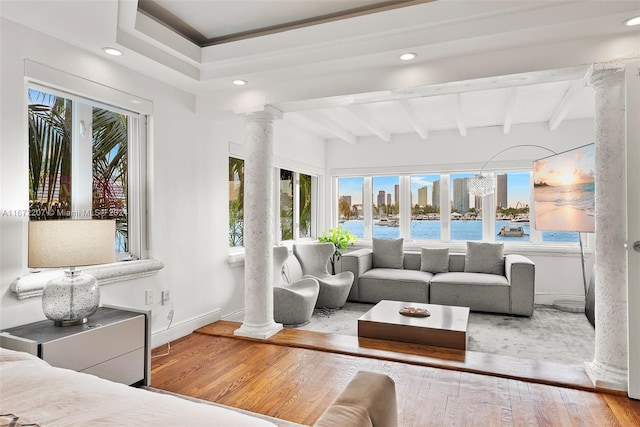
[
  {"x": 423, "y": 199},
  {"x": 461, "y": 194},
  {"x": 435, "y": 194},
  {"x": 381, "y": 199},
  {"x": 501, "y": 191},
  {"x": 389, "y": 199},
  {"x": 346, "y": 199},
  {"x": 478, "y": 202},
  {"x": 396, "y": 194}
]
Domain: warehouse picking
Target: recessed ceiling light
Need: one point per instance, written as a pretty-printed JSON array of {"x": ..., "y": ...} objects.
[
  {"x": 239, "y": 82},
  {"x": 408, "y": 56},
  {"x": 112, "y": 51},
  {"x": 632, "y": 21}
]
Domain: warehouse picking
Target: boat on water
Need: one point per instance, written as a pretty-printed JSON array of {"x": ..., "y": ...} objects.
[
  {"x": 521, "y": 218},
  {"x": 387, "y": 222},
  {"x": 512, "y": 231}
]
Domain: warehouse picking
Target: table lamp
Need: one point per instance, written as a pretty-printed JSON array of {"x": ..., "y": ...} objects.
[{"x": 72, "y": 298}]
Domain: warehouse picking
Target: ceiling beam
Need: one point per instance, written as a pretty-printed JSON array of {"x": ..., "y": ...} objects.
[
  {"x": 512, "y": 95},
  {"x": 563, "y": 107},
  {"x": 301, "y": 122},
  {"x": 358, "y": 113},
  {"x": 332, "y": 127},
  {"x": 457, "y": 111},
  {"x": 414, "y": 119}
]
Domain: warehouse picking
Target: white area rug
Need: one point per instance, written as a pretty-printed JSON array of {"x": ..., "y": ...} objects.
[{"x": 549, "y": 334}]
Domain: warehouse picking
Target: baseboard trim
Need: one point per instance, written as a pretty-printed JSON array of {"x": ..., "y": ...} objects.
[
  {"x": 183, "y": 328},
  {"x": 550, "y": 299},
  {"x": 236, "y": 316}
]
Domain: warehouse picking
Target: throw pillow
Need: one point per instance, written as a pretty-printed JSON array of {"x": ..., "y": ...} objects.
[
  {"x": 484, "y": 258},
  {"x": 434, "y": 260},
  {"x": 387, "y": 253}
]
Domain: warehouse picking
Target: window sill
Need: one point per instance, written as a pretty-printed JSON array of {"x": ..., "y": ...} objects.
[
  {"x": 236, "y": 259},
  {"x": 31, "y": 284}
]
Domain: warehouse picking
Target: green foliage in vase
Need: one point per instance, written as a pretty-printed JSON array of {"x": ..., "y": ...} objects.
[{"x": 341, "y": 239}]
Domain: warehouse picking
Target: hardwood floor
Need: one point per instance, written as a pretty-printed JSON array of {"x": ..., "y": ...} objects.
[{"x": 298, "y": 384}]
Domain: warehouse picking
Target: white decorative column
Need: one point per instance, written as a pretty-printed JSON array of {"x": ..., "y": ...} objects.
[
  {"x": 609, "y": 367},
  {"x": 258, "y": 227}
]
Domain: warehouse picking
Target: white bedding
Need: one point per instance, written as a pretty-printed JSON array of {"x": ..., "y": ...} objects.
[{"x": 38, "y": 393}]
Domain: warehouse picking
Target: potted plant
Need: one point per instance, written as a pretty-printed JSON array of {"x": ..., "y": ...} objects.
[{"x": 341, "y": 238}]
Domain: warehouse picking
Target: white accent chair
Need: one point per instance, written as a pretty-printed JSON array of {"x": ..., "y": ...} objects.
[
  {"x": 293, "y": 303},
  {"x": 313, "y": 259}
]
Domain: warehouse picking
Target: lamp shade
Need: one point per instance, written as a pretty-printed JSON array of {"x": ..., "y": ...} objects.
[
  {"x": 71, "y": 243},
  {"x": 481, "y": 185}
]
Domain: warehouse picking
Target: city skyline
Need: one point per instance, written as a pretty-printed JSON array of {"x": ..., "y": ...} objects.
[{"x": 517, "y": 183}]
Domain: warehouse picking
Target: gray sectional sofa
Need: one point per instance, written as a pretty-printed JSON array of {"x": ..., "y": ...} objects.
[{"x": 510, "y": 292}]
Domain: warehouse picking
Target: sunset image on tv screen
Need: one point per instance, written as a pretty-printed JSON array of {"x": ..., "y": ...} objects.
[{"x": 564, "y": 191}]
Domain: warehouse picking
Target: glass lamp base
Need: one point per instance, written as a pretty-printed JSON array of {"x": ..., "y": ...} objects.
[
  {"x": 71, "y": 299},
  {"x": 70, "y": 322}
]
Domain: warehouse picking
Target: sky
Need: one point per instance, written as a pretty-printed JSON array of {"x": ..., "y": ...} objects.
[
  {"x": 517, "y": 185},
  {"x": 575, "y": 166}
]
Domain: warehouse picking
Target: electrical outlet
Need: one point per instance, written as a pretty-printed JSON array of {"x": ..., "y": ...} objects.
[
  {"x": 166, "y": 297},
  {"x": 148, "y": 297}
]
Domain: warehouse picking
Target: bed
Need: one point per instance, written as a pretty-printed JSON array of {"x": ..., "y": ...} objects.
[{"x": 34, "y": 393}]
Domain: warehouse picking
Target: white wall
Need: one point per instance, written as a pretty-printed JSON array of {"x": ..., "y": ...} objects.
[
  {"x": 558, "y": 271},
  {"x": 188, "y": 187}
]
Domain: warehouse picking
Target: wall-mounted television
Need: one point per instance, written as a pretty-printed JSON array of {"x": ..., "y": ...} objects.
[{"x": 564, "y": 191}]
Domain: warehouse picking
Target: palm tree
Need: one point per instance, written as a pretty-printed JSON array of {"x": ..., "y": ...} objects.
[
  {"x": 50, "y": 141},
  {"x": 49, "y": 150},
  {"x": 110, "y": 166},
  {"x": 305, "y": 205},
  {"x": 236, "y": 203}
]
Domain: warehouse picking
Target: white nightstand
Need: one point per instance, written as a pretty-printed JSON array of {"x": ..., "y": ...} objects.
[{"x": 113, "y": 344}]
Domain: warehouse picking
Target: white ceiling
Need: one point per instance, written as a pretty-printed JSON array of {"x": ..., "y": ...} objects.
[{"x": 361, "y": 43}]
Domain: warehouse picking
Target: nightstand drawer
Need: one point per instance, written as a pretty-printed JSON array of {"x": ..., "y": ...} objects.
[
  {"x": 126, "y": 369},
  {"x": 97, "y": 345}
]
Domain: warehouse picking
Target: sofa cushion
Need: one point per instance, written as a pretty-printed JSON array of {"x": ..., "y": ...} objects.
[
  {"x": 388, "y": 253},
  {"x": 458, "y": 278},
  {"x": 434, "y": 260},
  {"x": 478, "y": 291},
  {"x": 484, "y": 258},
  {"x": 394, "y": 284},
  {"x": 392, "y": 274}
]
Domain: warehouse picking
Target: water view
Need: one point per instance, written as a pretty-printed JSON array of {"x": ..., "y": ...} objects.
[{"x": 460, "y": 230}]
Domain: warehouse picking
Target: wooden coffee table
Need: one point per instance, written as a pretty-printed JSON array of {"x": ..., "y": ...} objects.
[{"x": 446, "y": 327}]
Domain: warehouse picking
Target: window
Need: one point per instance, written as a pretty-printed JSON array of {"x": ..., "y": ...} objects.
[
  {"x": 386, "y": 207},
  {"x": 286, "y": 205},
  {"x": 305, "y": 205},
  {"x": 512, "y": 197},
  {"x": 466, "y": 224},
  {"x": 468, "y": 220},
  {"x": 236, "y": 202},
  {"x": 350, "y": 205},
  {"x": 79, "y": 156},
  {"x": 295, "y": 204},
  {"x": 425, "y": 207}
]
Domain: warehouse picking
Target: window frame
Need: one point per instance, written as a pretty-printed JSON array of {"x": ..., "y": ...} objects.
[
  {"x": 137, "y": 161},
  {"x": 237, "y": 151},
  {"x": 296, "y": 206},
  {"x": 488, "y": 226}
]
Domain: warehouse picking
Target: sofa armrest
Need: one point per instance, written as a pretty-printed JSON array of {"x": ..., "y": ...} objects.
[
  {"x": 358, "y": 262},
  {"x": 369, "y": 400},
  {"x": 521, "y": 275}
]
